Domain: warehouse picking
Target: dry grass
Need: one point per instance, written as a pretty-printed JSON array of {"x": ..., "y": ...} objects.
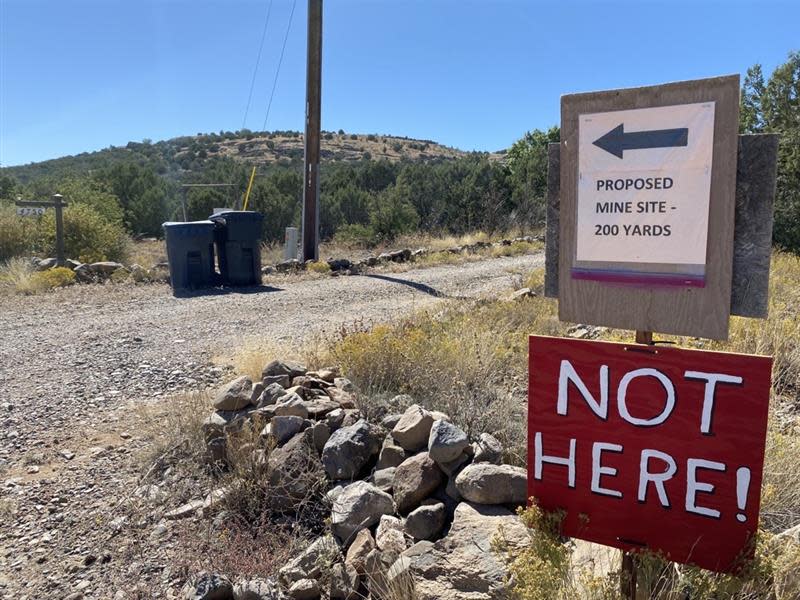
[
  {"x": 475, "y": 357},
  {"x": 147, "y": 253},
  {"x": 549, "y": 569},
  {"x": 17, "y": 276}
]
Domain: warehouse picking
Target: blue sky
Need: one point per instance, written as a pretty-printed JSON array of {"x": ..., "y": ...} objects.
[{"x": 80, "y": 75}]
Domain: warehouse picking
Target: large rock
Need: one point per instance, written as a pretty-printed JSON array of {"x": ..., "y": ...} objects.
[
  {"x": 283, "y": 367},
  {"x": 317, "y": 409},
  {"x": 312, "y": 561},
  {"x": 349, "y": 449},
  {"x": 446, "y": 442},
  {"x": 208, "y": 586},
  {"x": 234, "y": 395},
  {"x": 414, "y": 480},
  {"x": 272, "y": 393},
  {"x": 486, "y": 483},
  {"x": 384, "y": 479},
  {"x": 391, "y": 455},
  {"x": 462, "y": 565},
  {"x": 488, "y": 449},
  {"x": 359, "y": 505},
  {"x": 344, "y": 582},
  {"x": 257, "y": 589},
  {"x": 305, "y": 589},
  {"x": 291, "y": 404},
  {"x": 413, "y": 428},
  {"x": 389, "y": 537},
  {"x": 283, "y": 428},
  {"x": 425, "y": 522},
  {"x": 357, "y": 553},
  {"x": 294, "y": 473},
  {"x": 342, "y": 398},
  {"x": 106, "y": 268}
]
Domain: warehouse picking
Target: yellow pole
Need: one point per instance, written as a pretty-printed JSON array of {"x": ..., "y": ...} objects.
[{"x": 249, "y": 187}]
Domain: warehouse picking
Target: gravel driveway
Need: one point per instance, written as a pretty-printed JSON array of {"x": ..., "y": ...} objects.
[
  {"x": 76, "y": 366},
  {"x": 67, "y": 355}
]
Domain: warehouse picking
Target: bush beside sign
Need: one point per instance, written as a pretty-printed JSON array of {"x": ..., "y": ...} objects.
[{"x": 649, "y": 447}]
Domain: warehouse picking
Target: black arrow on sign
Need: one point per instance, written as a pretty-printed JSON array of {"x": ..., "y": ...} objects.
[{"x": 617, "y": 141}]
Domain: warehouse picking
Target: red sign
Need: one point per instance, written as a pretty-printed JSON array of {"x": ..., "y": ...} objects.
[{"x": 649, "y": 447}]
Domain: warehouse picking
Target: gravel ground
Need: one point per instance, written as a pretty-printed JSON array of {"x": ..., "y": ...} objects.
[{"x": 76, "y": 363}]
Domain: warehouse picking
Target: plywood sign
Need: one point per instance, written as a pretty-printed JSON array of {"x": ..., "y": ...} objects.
[
  {"x": 648, "y": 178},
  {"x": 649, "y": 448}
]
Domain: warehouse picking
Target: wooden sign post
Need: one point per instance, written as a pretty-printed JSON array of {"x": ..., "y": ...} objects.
[
  {"x": 648, "y": 178},
  {"x": 657, "y": 211},
  {"x": 58, "y": 204}
]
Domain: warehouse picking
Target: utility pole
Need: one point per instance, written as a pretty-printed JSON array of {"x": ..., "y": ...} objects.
[{"x": 312, "y": 135}]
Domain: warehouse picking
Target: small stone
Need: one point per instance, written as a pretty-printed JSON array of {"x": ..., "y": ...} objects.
[
  {"x": 291, "y": 404},
  {"x": 344, "y": 582},
  {"x": 391, "y": 454},
  {"x": 234, "y": 395},
  {"x": 283, "y": 367},
  {"x": 384, "y": 479},
  {"x": 486, "y": 483},
  {"x": 349, "y": 449},
  {"x": 359, "y": 505},
  {"x": 413, "y": 428},
  {"x": 270, "y": 394},
  {"x": 256, "y": 589},
  {"x": 389, "y": 537},
  {"x": 362, "y": 545},
  {"x": 283, "y": 428},
  {"x": 282, "y": 381},
  {"x": 208, "y": 586},
  {"x": 344, "y": 384},
  {"x": 389, "y": 421},
  {"x": 488, "y": 449},
  {"x": 414, "y": 480},
  {"x": 321, "y": 433},
  {"x": 425, "y": 522},
  {"x": 446, "y": 442},
  {"x": 305, "y": 589}
]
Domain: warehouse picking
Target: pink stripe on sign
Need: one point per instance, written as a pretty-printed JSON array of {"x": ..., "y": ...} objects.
[{"x": 642, "y": 279}]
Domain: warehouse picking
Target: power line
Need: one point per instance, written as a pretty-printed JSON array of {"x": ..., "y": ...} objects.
[
  {"x": 258, "y": 60},
  {"x": 280, "y": 61}
]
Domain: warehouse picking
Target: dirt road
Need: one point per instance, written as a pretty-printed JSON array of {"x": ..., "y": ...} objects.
[{"x": 67, "y": 355}]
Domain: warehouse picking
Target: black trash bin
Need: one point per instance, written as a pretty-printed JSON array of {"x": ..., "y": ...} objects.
[
  {"x": 190, "y": 251},
  {"x": 238, "y": 240}
]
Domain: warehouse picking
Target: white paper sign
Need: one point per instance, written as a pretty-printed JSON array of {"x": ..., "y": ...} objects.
[{"x": 644, "y": 185}]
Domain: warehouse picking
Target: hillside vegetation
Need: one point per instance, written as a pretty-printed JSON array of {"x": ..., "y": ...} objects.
[{"x": 373, "y": 187}]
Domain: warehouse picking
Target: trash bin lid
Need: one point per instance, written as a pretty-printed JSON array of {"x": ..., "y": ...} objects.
[
  {"x": 190, "y": 227},
  {"x": 237, "y": 215}
]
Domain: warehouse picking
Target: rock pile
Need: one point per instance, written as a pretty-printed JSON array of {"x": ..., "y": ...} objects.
[
  {"x": 344, "y": 266},
  {"x": 413, "y": 501},
  {"x": 100, "y": 272}
]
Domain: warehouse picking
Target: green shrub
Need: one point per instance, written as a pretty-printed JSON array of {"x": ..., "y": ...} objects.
[
  {"x": 318, "y": 267},
  {"x": 355, "y": 235},
  {"x": 87, "y": 236},
  {"x": 17, "y": 234},
  {"x": 53, "y": 278}
]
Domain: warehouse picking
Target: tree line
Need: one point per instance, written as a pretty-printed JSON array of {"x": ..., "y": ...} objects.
[{"x": 135, "y": 189}]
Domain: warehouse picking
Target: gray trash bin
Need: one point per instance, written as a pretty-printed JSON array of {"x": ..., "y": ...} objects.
[
  {"x": 190, "y": 251},
  {"x": 238, "y": 240}
]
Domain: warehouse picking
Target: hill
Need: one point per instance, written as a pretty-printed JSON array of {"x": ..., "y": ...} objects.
[{"x": 181, "y": 156}]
